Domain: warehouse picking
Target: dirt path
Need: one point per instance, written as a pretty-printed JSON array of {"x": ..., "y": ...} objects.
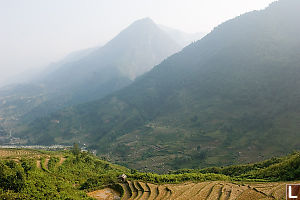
[
  {"x": 38, "y": 164},
  {"x": 105, "y": 194},
  {"x": 61, "y": 161}
]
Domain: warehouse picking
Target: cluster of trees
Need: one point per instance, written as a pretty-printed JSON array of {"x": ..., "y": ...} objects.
[
  {"x": 275, "y": 169},
  {"x": 12, "y": 176},
  {"x": 24, "y": 180},
  {"x": 177, "y": 178},
  {"x": 110, "y": 179},
  {"x": 286, "y": 170},
  {"x": 103, "y": 180}
]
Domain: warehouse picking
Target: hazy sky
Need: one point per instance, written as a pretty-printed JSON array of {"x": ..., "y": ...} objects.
[{"x": 34, "y": 33}]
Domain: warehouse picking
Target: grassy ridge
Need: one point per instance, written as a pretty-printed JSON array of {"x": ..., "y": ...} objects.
[{"x": 276, "y": 169}]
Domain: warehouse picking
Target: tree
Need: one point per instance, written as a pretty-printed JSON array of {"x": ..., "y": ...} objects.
[{"x": 76, "y": 149}]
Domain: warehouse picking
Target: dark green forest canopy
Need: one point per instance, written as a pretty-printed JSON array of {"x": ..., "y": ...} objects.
[{"x": 232, "y": 97}]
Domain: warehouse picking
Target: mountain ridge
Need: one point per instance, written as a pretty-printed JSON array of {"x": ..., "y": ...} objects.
[
  {"x": 89, "y": 74},
  {"x": 230, "y": 98}
]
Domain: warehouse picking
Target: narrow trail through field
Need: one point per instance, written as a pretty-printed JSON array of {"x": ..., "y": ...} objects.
[
  {"x": 61, "y": 161},
  {"x": 38, "y": 164}
]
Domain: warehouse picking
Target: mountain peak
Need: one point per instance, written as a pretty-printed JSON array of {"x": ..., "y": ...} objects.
[
  {"x": 142, "y": 37},
  {"x": 144, "y": 23},
  {"x": 145, "y": 20}
]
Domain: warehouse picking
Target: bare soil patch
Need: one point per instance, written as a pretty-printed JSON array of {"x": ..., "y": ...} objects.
[{"x": 105, "y": 194}]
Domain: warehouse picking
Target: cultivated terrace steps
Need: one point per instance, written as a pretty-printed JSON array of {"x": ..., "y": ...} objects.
[
  {"x": 213, "y": 190},
  {"x": 43, "y": 162}
]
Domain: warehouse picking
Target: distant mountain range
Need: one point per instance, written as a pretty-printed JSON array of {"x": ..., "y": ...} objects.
[
  {"x": 232, "y": 97},
  {"x": 89, "y": 74},
  {"x": 181, "y": 37}
]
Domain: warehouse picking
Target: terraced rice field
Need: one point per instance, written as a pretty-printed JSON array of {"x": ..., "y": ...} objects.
[
  {"x": 45, "y": 164},
  {"x": 213, "y": 190},
  {"x": 15, "y": 153},
  {"x": 216, "y": 190}
]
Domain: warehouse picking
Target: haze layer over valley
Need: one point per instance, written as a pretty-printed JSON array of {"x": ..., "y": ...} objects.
[{"x": 90, "y": 74}]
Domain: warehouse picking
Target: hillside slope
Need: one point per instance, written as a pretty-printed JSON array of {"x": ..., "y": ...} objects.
[
  {"x": 35, "y": 174},
  {"x": 32, "y": 174},
  {"x": 88, "y": 74},
  {"x": 232, "y": 97}
]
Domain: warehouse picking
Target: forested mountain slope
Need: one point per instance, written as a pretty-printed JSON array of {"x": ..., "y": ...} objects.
[{"x": 232, "y": 97}]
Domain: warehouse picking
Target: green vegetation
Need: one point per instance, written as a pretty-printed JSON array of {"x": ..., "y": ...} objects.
[
  {"x": 178, "y": 178},
  {"x": 77, "y": 174},
  {"x": 275, "y": 169},
  {"x": 25, "y": 180}
]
